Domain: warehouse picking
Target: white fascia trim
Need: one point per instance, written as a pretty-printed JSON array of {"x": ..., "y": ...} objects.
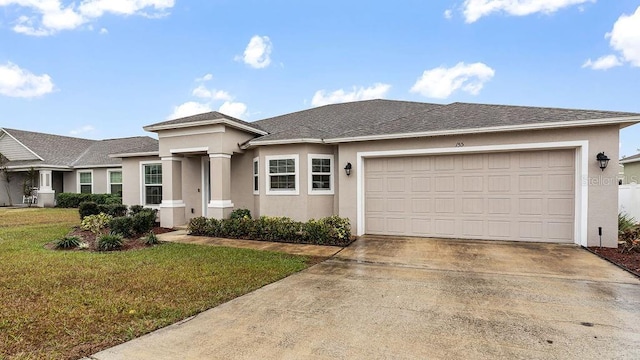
[
  {"x": 581, "y": 191},
  {"x": 172, "y": 204},
  {"x": 223, "y": 156},
  {"x": 220, "y": 204},
  {"x": 623, "y": 161},
  {"x": 21, "y": 144},
  {"x": 98, "y": 166},
  {"x": 284, "y": 192},
  {"x": 281, "y": 142},
  {"x": 310, "y": 189},
  {"x": 38, "y": 167},
  {"x": 203, "y": 123},
  {"x": 138, "y": 154},
  {"x": 78, "y": 179},
  {"x": 552, "y": 125},
  {"x": 189, "y": 150}
]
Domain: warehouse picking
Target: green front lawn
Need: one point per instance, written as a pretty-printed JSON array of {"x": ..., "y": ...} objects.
[{"x": 68, "y": 304}]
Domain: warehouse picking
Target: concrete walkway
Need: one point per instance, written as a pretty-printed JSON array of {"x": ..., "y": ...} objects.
[
  {"x": 408, "y": 298},
  {"x": 180, "y": 236}
]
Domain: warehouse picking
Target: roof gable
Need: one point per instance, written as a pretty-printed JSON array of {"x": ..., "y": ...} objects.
[
  {"x": 209, "y": 118},
  {"x": 13, "y": 150}
]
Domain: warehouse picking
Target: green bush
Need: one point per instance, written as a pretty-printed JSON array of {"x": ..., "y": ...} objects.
[
  {"x": 95, "y": 223},
  {"x": 114, "y": 210},
  {"x": 332, "y": 230},
  {"x": 151, "y": 239},
  {"x": 240, "y": 214},
  {"x": 143, "y": 221},
  {"x": 73, "y": 200},
  {"x": 134, "y": 209},
  {"x": 122, "y": 226},
  {"x": 109, "y": 242},
  {"x": 87, "y": 208},
  {"x": 625, "y": 222},
  {"x": 68, "y": 242}
]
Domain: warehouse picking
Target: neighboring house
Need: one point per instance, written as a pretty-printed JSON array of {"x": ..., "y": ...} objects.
[
  {"x": 631, "y": 170},
  {"x": 393, "y": 168},
  {"x": 65, "y": 164}
]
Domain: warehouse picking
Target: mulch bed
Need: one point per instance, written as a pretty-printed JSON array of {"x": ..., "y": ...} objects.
[
  {"x": 89, "y": 238},
  {"x": 628, "y": 261}
]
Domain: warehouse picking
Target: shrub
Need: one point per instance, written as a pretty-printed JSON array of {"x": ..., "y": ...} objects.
[
  {"x": 625, "y": 222},
  {"x": 316, "y": 232},
  {"x": 214, "y": 228},
  {"x": 95, "y": 223},
  {"x": 134, "y": 209},
  {"x": 109, "y": 242},
  {"x": 88, "y": 208},
  {"x": 197, "y": 226},
  {"x": 73, "y": 200},
  {"x": 68, "y": 242},
  {"x": 122, "y": 226},
  {"x": 340, "y": 228},
  {"x": 240, "y": 214},
  {"x": 114, "y": 210},
  {"x": 151, "y": 239},
  {"x": 143, "y": 221}
]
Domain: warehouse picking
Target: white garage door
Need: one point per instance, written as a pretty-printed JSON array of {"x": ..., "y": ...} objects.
[{"x": 527, "y": 196}]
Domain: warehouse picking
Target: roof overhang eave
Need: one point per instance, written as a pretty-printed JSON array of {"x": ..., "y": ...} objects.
[
  {"x": 137, "y": 154},
  {"x": 230, "y": 123},
  {"x": 255, "y": 143}
]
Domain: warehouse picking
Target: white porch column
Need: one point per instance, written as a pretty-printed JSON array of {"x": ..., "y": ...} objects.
[
  {"x": 220, "y": 205},
  {"x": 46, "y": 194},
  {"x": 172, "y": 208}
]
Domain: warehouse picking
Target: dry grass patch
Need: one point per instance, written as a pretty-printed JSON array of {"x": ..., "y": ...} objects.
[{"x": 68, "y": 304}]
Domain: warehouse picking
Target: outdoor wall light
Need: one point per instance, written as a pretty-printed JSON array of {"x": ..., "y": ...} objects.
[
  {"x": 347, "y": 169},
  {"x": 603, "y": 160}
]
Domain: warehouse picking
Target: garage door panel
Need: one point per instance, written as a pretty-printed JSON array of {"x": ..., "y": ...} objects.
[{"x": 507, "y": 196}]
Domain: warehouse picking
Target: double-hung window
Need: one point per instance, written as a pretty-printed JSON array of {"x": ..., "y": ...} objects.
[
  {"x": 85, "y": 182},
  {"x": 282, "y": 175},
  {"x": 256, "y": 178},
  {"x": 320, "y": 174},
  {"x": 115, "y": 182},
  {"x": 152, "y": 174}
]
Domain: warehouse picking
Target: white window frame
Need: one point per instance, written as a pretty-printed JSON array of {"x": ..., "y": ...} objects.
[
  {"x": 90, "y": 171},
  {"x": 267, "y": 160},
  {"x": 256, "y": 175},
  {"x": 143, "y": 185},
  {"x": 109, "y": 183},
  {"x": 310, "y": 172}
]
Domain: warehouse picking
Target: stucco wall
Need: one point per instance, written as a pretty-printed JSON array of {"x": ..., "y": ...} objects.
[
  {"x": 216, "y": 138},
  {"x": 242, "y": 181},
  {"x": 14, "y": 190},
  {"x": 131, "y": 172},
  {"x": 302, "y": 206},
  {"x": 602, "y": 192},
  {"x": 631, "y": 173},
  {"x": 192, "y": 186}
]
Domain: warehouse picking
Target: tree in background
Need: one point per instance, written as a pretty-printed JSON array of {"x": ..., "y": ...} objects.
[
  {"x": 7, "y": 175},
  {"x": 29, "y": 184}
]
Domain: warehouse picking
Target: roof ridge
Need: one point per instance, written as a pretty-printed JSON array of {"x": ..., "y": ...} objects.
[{"x": 49, "y": 134}]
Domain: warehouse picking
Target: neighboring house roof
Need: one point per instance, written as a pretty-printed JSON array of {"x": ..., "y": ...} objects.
[
  {"x": 630, "y": 159},
  {"x": 209, "y": 118},
  {"x": 388, "y": 119},
  {"x": 68, "y": 152}
]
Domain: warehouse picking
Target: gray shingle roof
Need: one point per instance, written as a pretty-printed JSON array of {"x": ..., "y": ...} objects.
[
  {"x": 381, "y": 117},
  {"x": 632, "y": 158},
  {"x": 212, "y": 115},
  {"x": 66, "y": 151}
]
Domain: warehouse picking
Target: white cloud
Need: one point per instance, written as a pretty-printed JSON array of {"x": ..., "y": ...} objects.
[
  {"x": 202, "y": 92},
  {"x": 448, "y": 14},
  {"x": 441, "y": 82},
  {"x": 377, "y": 91},
  {"x": 233, "y": 109},
  {"x": 189, "y": 108},
  {"x": 206, "y": 77},
  {"x": 104, "y": 31},
  {"x": 46, "y": 17},
  {"x": 82, "y": 130},
  {"x": 625, "y": 37},
  {"x": 603, "y": 63},
  {"x": 475, "y": 9},
  {"x": 258, "y": 52},
  {"x": 17, "y": 82}
]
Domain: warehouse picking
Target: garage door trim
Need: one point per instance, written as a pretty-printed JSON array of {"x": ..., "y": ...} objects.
[{"x": 581, "y": 172}]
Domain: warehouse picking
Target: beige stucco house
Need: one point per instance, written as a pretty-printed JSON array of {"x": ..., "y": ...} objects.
[
  {"x": 394, "y": 168},
  {"x": 62, "y": 164}
]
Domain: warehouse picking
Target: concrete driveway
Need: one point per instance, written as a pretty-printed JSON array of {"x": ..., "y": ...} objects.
[{"x": 408, "y": 298}]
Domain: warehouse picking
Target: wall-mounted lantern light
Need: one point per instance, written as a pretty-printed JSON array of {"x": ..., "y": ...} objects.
[
  {"x": 603, "y": 160},
  {"x": 347, "y": 169}
]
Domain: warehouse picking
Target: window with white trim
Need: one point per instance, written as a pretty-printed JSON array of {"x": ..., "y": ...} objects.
[
  {"x": 320, "y": 174},
  {"x": 256, "y": 178},
  {"x": 115, "y": 182},
  {"x": 282, "y": 175},
  {"x": 85, "y": 182},
  {"x": 152, "y": 183}
]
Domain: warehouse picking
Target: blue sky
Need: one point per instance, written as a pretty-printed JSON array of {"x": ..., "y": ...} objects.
[{"x": 105, "y": 68}]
